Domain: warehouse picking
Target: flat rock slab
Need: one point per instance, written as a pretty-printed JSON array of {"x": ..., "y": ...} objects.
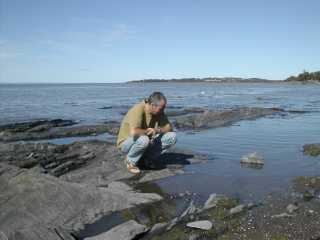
[
  {"x": 211, "y": 119},
  {"x": 50, "y": 132},
  {"x": 204, "y": 225},
  {"x": 125, "y": 231},
  {"x": 91, "y": 162},
  {"x": 36, "y": 126},
  {"x": 29, "y": 200}
]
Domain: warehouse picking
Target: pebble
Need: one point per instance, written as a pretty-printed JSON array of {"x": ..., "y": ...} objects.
[{"x": 204, "y": 225}]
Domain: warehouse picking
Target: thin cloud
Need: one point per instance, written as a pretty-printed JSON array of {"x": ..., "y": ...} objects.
[
  {"x": 120, "y": 32},
  {"x": 90, "y": 42},
  {"x": 7, "y": 52},
  {"x": 86, "y": 20}
]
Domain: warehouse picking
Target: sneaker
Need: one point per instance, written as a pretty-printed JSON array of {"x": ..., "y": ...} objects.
[{"x": 132, "y": 168}]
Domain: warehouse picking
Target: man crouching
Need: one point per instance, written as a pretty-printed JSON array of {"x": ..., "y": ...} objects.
[{"x": 145, "y": 131}]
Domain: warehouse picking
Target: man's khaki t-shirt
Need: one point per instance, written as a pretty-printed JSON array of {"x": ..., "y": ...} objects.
[{"x": 137, "y": 117}]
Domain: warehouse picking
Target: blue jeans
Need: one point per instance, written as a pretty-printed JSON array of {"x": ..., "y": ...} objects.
[{"x": 136, "y": 147}]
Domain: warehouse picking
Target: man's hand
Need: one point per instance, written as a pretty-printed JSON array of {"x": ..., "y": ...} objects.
[{"x": 151, "y": 132}]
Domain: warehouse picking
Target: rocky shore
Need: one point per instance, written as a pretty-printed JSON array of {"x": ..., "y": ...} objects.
[
  {"x": 61, "y": 187},
  {"x": 54, "y": 192}
]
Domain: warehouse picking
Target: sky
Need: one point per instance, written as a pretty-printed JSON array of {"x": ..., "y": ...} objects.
[{"x": 116, "y": 41}]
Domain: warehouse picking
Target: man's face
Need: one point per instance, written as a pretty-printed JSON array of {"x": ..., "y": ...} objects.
[{"x": 158, "y": 108}]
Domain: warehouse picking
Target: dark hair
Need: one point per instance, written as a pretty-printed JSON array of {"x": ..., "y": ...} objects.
[{"x": 155, "y": 98}]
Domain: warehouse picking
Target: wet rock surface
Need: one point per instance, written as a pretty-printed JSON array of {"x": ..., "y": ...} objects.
[
  {"x": 53, "y": 129},
  {"x": 212, "y": 119},
  {"x": 36, "y": 126}
]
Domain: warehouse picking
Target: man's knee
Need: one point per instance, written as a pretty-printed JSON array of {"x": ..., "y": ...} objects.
[
  {"x": 143, "y": 141},
  {"x": 170, "y": 138}
]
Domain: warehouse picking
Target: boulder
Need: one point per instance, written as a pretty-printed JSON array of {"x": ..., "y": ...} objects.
[
  {"x": 312, "y": 149},
  {"x": 252, "y": 158}
]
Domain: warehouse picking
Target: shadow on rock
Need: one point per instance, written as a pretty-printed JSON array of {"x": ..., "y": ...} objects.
[{"x": 166, "y": 160}]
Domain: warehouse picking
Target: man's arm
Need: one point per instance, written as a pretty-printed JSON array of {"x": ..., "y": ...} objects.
[
  {"x": 135, "y": 131},
  {"x": 164, "y": 125},
  {"x": 150, "y": 131},
  {"x": 165, "y": 129}
]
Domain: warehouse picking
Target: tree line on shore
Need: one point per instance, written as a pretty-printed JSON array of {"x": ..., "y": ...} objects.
[{"x": 305, "y": 77}]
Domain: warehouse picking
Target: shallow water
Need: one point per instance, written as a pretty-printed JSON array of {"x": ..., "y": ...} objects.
[{"x": 278, "y": 139}]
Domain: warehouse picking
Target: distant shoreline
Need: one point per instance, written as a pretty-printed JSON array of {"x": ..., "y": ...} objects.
[{"x": 207, "y": 80}]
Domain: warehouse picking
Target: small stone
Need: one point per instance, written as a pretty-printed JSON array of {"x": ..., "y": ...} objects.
[
  {"x": 291, "y": 208},
  {"x": 282, "y": 215},
  {"x": 204, "y": 225},
  {"x": 308, "y": 195}
]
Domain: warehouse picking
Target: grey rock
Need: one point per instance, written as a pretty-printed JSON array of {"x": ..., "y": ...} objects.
[
  {"x": 36, "y": 126},
  {"x": 191, "y": 209},
  {"x": 91, "y": 162},
  {"x": 125, "y": 231},
  {"x": 204, "y": 225},
  {"x": 213, "y": 200},
  {"x": 252, "y": 158},
  {"x": 157, "y": 228},
  {"x": 44, "y": 200},
  {"x": 155, "y": 175},
  {"x": 238, "y": 209},
  {"x": 67, "y": 185},
  {"x": 172, "y": 223},
  {"x": 50, "y": 131}
]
